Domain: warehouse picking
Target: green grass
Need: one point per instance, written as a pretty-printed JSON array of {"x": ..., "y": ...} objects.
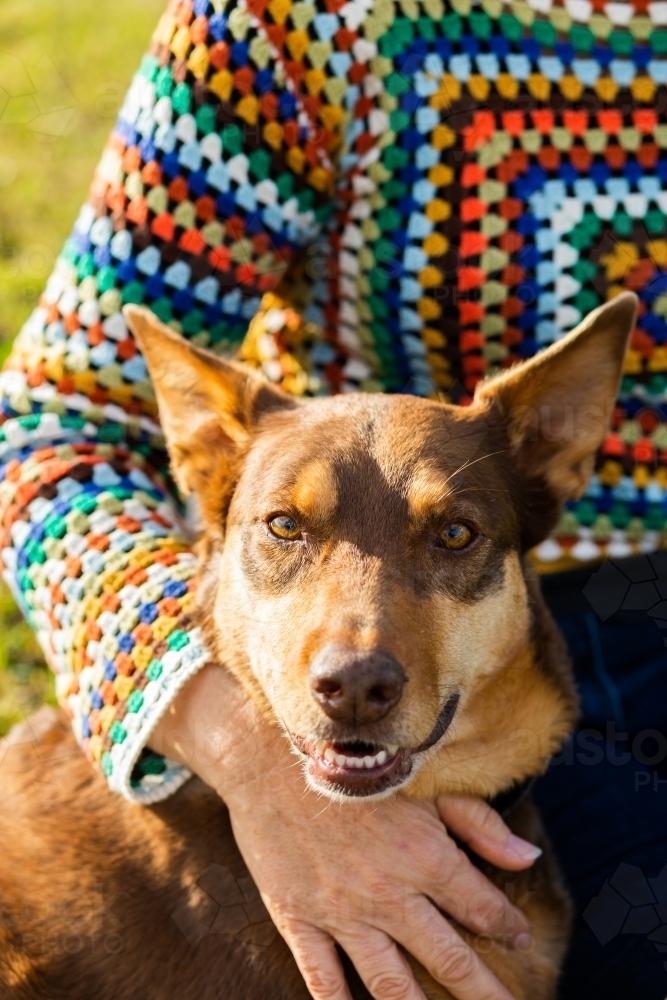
[
  {"x": 25, "y": 682},
  {"x": 64, "y": 69}
]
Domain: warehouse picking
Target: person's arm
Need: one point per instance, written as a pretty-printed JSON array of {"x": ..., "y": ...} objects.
[
  {"x": 183, "y": 218},
  {"x": 365, "y": 876}
]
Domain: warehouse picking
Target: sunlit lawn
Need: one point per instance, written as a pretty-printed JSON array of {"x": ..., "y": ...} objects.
[{"x": 64, "y": 68}]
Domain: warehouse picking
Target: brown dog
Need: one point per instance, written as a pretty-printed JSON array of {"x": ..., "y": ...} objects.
[{"x": 364, "y": 576}]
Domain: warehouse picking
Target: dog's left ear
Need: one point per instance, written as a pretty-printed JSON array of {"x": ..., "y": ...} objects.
[
  {"x": 558, "y": 405},
  {"x": 208, "y": 408}
]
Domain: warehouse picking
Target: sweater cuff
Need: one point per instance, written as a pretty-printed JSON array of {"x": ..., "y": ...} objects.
[{"x": 133, "y": 771}]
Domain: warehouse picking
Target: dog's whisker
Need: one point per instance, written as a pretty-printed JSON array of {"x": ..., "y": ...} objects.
[
  {"x": 469, "y": 463},
  {"x": 326, "y": 806}
]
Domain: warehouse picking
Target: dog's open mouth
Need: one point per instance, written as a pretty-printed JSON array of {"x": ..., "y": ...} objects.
[{"x": 355, "y": 768}]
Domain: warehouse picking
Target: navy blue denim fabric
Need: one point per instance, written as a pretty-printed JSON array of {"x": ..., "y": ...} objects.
[{"x": 604, "y": 804}]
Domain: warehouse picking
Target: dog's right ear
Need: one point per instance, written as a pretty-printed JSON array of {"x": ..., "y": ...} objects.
[{"x": 208, "y": 409}]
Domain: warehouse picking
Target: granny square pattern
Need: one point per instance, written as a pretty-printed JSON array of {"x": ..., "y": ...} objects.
[{"x": 375, "y": 195}]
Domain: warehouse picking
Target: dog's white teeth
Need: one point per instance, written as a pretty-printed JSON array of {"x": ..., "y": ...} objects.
[
  {"x": 392, "y": 749},
  {"x": 324, "y": 750}
]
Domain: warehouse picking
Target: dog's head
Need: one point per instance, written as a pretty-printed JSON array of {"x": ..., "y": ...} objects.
[{"x": 363, "y": 564}]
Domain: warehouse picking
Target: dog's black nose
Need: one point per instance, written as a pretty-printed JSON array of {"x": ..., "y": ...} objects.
[{"x": 354, "y": 686}]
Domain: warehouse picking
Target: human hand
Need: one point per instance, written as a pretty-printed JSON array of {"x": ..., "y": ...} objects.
[{"x": 367, "y": 875}]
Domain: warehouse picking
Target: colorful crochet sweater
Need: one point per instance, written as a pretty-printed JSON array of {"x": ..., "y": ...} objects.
[{"x": 397, "y": 195}]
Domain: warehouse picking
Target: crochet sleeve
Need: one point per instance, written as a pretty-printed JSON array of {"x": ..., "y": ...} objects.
[{"x": 212, "y": 180}]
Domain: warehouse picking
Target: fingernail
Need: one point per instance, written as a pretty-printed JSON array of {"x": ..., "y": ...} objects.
[
  {"x": 522, "y": 849},
  {"x": 523, "y": 942}
]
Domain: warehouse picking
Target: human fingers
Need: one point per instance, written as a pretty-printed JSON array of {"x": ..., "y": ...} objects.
[
  {"x": 477, "y": 824},
  {"x": 315, "y": 954},
  {"x": 444, "y": 954}
]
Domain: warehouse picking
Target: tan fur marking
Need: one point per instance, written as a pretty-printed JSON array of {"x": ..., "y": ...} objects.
[
  {"x": 315, "y": 493},
  {"x": 506, "y": 732},
  {"x": 427, "y": 491}
]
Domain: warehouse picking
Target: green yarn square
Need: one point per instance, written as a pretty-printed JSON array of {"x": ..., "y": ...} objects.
[
  {"x": 582, "y": 38},
  {"x": 152, "y": 764},
  {"x": 193, "y": 323},
  {"x": 117, "y": 732},
  {"x": 135, "y": 701},
  {"x": 55, "y": 527},
  {"x": 232, "y": 139},
  {"x": 396, "y": 84},
  {"x": 586, "y": 513},
  {"x": 585, "y": 300},
  {"x": 480, "y": 24},
  {"x": 163, "y": 310},
  {"x": 305, "y": 199},
  {"x": 393, "y": 158},
  {"x": 178, "y": 640},
  {"x": 260, "y": 164},
  {"x": 621, "y": 43},
  {"x": 404, "y": 30},
  {"x": 111, "y": 433},
  {"x": 155, "y": 669},
  {"x": 399, "y": 120},
  {"x": 378, "y": 279},
  {"x": 30, "y": 422},
  {"x": 579, "y": 238},
  {"x": 134, "y": 293},
  {"x": 35, "y": 552},
  {"x": 394, "y": 189},
  {"x": 164, "y": 82},
  {"x": 426, "y": 28},
  {"x": 285, "y": 185},
  {"x": 86, "y": 268},
  {"x": 452, "y": 26},
  {"x": 655, "y": 221},
  {"x": 620, "y": 516},
  {"x": 658, "y": 42},
  {"x": 544, "y": 33},
  {"x": 378, "y": 307},
  {"x": 205, "y": 119},
  {"x": 390, "y": 46},
  {"x": 584, "y": 270},
  {"x": 511, "y": 27},
  {"x": 655, "y": 519},
  {"x": 106, "y": 279},
  {"x": 622, "y": 223},
  {"x": 182, "y": 99},
  {"x": 388, "y": 219},
  {"x": 150, "y": 68}
]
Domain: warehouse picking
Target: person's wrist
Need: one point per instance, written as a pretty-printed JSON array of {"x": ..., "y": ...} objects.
[{"x": 216, "y": 731}]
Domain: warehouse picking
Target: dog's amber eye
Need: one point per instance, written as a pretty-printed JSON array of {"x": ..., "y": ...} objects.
[
  {"x": 456, "y": 536},
  {"x": 285, "y": 527}
]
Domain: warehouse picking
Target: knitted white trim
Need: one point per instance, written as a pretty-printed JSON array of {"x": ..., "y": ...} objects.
[{"x": 128, "y": 752}]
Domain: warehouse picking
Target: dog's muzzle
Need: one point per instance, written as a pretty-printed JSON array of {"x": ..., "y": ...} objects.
[{"x": 361, "y": 769}]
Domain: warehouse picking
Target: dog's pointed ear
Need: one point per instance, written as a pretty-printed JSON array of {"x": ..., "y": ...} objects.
[
  {"x": 557, "y": 406},
  {"x": 208, "y": 407}
]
